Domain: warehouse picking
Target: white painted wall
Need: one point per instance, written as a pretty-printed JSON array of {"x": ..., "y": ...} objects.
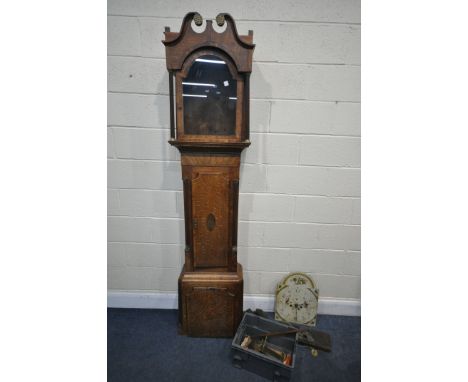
[{"x": 299, "y": 205}]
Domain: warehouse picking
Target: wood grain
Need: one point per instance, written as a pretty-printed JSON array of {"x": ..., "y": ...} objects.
[
  {"x": 211, "y": 303},
  {"x": 180, "y": 45},
  {"x": 210, "y": 197}
]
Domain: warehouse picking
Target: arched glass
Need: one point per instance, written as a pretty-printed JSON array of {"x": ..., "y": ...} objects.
[{"x": 210, "y": 98}]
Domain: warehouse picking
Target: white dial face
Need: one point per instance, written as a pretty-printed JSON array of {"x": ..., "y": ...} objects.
[{"x": 296, "y": 300}]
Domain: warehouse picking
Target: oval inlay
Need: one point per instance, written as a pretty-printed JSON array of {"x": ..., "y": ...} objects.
[{"x": 210, "y": 222}]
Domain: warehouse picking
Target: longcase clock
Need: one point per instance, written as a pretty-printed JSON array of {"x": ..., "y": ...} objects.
[{"x": 209, "y": 72}]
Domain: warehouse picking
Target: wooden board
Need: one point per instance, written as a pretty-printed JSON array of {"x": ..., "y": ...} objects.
[
  {"x": 210, "y": 303},
  {"x": 210, "y": 213}
]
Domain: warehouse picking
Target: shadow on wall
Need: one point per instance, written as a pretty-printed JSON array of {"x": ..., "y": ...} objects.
[
  {"x": 171, "y": 163},
  {"x": 248, "y": 182}
]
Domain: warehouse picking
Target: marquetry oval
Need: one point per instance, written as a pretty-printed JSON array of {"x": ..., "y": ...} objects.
[{"x": 210, "y": 222}]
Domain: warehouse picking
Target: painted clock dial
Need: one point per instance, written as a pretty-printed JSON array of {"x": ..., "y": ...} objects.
[{"x": 296, "y": 299}]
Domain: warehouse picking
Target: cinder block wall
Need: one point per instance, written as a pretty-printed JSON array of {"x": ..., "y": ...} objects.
[{"x": 299, "y": 206}]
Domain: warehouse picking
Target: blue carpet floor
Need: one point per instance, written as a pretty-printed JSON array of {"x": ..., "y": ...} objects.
[{"x": 143, "y": 345}]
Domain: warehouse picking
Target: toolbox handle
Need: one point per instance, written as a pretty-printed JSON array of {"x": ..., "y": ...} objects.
[
  {"x": 276, "y": 376},
  {"x": 238, "y": 361}
]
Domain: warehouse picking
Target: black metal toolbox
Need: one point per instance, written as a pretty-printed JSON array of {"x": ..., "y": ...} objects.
[{"x": 256, "y": 362}]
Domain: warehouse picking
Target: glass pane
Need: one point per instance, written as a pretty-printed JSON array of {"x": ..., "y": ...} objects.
[{"x": 210, "y": 98}]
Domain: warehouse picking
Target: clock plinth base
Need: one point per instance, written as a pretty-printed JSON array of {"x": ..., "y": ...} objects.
[{"x": 210, "y": 302}]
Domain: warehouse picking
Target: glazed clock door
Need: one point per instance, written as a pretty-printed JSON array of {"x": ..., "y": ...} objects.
[
  {"x": 210, "y": 224},
  {"x": 209, "y": 98}
]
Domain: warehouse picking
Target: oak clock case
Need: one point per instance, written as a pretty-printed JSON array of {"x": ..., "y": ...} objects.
[{"x": 209, "y": 74}]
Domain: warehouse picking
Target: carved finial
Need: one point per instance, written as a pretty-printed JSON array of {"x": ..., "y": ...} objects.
[
  {"x": 220, "y": 19},
  {"x": 198, "y": 19}
]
